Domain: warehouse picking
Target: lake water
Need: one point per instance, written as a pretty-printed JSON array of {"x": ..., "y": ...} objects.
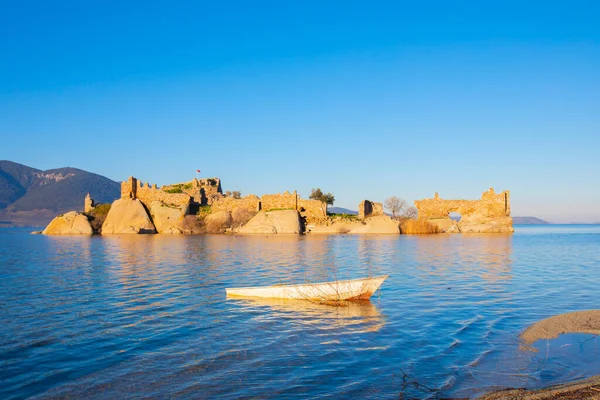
[{"x": 147, "y": 316}]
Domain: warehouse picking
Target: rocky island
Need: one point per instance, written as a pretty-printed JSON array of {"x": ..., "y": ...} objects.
[{"x": 199, "y": 206}]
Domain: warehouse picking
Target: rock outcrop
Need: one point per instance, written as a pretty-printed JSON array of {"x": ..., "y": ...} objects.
[
  {"x": 483, "y": 224},
  {"x": 127, "y": 216},
  {"x": 71, "y": 223},
  {"x": 167, "y": 218},
  {"x": 281, "y": 222},
  {"x": 381, "y": 224},
  {"x": 218, "y": 221}
]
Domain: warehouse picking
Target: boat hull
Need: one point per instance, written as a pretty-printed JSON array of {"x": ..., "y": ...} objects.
[{"x": 346, "y": 290}]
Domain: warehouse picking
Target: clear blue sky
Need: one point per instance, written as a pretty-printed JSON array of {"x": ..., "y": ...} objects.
[{"x": 362, "y": 99}]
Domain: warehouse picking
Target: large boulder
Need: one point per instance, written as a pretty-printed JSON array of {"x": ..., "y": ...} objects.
[
  {"x": 127, "y": 216},
  {"x": 486, "y": 225},
  {"x": 71, "y": 223},
  {"x": 335, "y": 227},
  {"x": 218, "y": 221},
  {"x": 281, "y": 221},
  {"x": 240, "y": 216},
  {"x": 166, "y": 218},
  {"x": 381, "y": 224}
]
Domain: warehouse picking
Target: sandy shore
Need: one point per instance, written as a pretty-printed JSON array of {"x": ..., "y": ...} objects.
[
  {"x": 550, "y": 328},
  {"x": 573, "y": 322}
]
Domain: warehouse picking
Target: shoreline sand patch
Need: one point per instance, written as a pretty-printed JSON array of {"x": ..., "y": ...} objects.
[{"x": 573, "y": 322}]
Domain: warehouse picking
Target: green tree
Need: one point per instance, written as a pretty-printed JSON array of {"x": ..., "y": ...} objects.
[{"x": 317, "y": 194}]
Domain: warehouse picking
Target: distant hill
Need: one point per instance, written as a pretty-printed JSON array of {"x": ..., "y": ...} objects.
[
  {"x": 340, "y": 210},
  {"x": 29, "y": 196},
  {"x": 528, "y": 221}
]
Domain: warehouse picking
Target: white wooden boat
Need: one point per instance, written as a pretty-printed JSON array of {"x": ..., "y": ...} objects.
[{"x": 347, "y": 290}]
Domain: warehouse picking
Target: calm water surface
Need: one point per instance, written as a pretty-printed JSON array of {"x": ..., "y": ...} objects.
[{"x": 147, "y": 316}]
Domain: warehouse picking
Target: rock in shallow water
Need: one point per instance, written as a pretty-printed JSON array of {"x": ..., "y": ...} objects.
[
  {"x": 167, "y": 219},
  {"x": 127, "y": 216},
  {"x": 71, "y": 223}
]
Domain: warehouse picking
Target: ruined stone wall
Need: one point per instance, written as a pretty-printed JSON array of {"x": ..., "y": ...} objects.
[
  {"x": 129, "y": 188},
  {"x": 492, "y": 205},
  {"x": 490, "y": 214},
  {"x": 202, "y": 191},
  {"x": 279, "y": 201},
  {"x": 250, "y": 203},
  {"x": 211, "y": 187},
  {"x": 134, "y": 189},
  {"x": 315, "y": 211},
  {"x": 368, "y": 208}
]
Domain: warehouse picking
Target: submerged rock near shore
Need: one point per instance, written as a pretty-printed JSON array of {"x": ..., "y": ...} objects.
[
  {"x": 127, "y": 216},
  {"x": 71, "y": 223}
]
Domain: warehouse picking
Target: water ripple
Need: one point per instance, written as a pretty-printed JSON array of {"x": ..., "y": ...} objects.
[{"x": 146, "y": 316}]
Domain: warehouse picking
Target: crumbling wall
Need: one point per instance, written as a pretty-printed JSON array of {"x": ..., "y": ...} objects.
[
  {"x": 315, "y": 211},
  {"x": 134, "y": 189},
  {"x": 250, "y": 203},
  {"x": 490, "y": 214},
  {"x": 368, "y": 208},
  {"x": 202, "y": 191},
  {"x": 279, "y": 201}
]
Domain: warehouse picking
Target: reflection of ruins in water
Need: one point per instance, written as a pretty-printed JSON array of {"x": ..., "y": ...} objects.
[
  {"x": 148, "y": 269},
  {"x": 353, "y": 317},
  {"x": 286, "y": 259},
  {"x": 67, "y": 246},
  {"x": 376, "y": 251},
  {"x": 486, "y": 255}
]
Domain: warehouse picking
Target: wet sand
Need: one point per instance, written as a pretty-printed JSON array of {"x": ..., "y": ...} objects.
[
  {"x": 550, "y": 328},
  {"x": 573, "y": 322}
]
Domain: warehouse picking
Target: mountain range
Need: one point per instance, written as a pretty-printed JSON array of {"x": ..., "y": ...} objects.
[
  {"x": 340, "y": 210},
  {"x": 32, "y": 197},
  {"x": 529, "y": 221}
]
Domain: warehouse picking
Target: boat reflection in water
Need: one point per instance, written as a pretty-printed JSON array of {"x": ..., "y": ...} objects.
[{"x": 352, "y": 316}]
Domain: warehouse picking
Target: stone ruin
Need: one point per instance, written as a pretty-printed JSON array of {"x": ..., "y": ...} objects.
[
  {"x": 312, "y": 211},
  {"x": 368, "y": 209},
  {"x": 88, "y": 204},
  {"x": 199, "y": 192},
  {"x": 202, "y": 192},
  {"x": 490, "y": 214}
]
